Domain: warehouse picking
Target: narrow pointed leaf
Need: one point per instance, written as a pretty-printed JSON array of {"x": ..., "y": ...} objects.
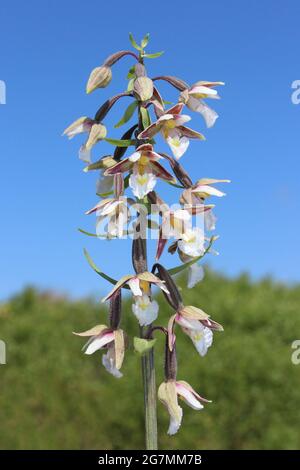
[
  {"x": 120, "y": 142},
  {"x": 97, "y": 270},
  {"x": 153, "y": 56},
  {"x": 145, "y": 117},
  {"x": 128, "y": 114},
  {"x": 134, "y": 43},
  {"x": 145, "y": 40}
]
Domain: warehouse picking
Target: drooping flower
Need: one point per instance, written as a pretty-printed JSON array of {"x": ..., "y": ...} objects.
[
  {"x": 145, "y": 169},
  {"x": 193, "y": 98},
  {"x": 96, "y": 133},
  {"x": 170, "y": 124},
  {"x": 197, "y": 325},
  {"x": 117, "y": 212},
  {"x": 169, "y": 392},
  {"x": 100, "y": 77},
  {"x": 82, "y": 124},
  {"x": 200, "y": 191},
  {"x": 145, "y": 309},
  {"x": 138, "y": 283},
  {"x": 103, "y": 337}
]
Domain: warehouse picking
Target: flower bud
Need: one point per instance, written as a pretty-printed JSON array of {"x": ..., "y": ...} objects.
[
  {"x": 143, "y": 88},
  {"x": 100, "y": 77},
  {"x": 173, "y": 296},
  {"x": 139, "y": 256},
  {"x": 115, "y": 310}
]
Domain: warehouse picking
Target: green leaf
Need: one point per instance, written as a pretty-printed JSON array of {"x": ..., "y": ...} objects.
[
  {"x": 142, "y": 346},
  {"x": 145, "y": 117},
  {"x": 145, "y": 40},
  {"x": 97, "y": 270},
  {"x": 131, "y": 73},
  {"x": 120, "y": 142},
  {"x": 89, "y": 234},
  {"x": 134, "y": 44},
  {"x": 154, "y": 55},
  {"x": 182, "y": 267},
  {"x": 128, "y": 114}
]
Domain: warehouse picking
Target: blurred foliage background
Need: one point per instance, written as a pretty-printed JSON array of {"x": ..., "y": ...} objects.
[{"x": 52, "y": 396}]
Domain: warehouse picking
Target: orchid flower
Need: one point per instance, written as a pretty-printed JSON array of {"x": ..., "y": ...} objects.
[
  {"x": 144, "y": 167},
  {"x": 139, "y": 284},
  {"x": 170, "y": 124},
  {"x": 169, "y": 392},
  {"x": 193, "y": 98},
  {"x": 102, "y": 337},
  {"x": 96, "y": 133},
  {"x": 117, "y": 212},
  {"x": 200, "y": 191},
  {"x": 197, "y": 325}
]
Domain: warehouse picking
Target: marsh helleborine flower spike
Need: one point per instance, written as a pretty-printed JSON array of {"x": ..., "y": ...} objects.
[{"x": 139, "y": 171}]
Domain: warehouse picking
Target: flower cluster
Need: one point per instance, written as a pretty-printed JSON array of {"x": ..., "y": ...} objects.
[{"x": 139, "y": 172}]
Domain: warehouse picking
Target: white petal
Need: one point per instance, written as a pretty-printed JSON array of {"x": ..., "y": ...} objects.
[
  {"x": 210, "y": 116},
  {"x": 141, "y": 185},
  {"x": 145, "y": 310},
  {"x": 188, "y": 397},
  {"x": 97, "y": 343},
  {"x": 203, "y": 90},
  {"x": 188, "y": 323},
  {"x": 85, "y": 154},
  {"x": 182, "y": 119},
  {"x": 177, "y": 143},
  {"x": 175, "y": 424},
  {"x": 134, "y": 285},
  {"x": 135, "y": 156},
  {"x": 202, "y": 340},
  {"x": 195, "y": 275},
  {"x": 109, "y": 363},
  {"x": 192, "y": 242},
  {"x": 208, "y": 190}
]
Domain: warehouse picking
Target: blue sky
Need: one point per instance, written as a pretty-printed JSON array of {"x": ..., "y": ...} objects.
[{"x": 48, "y": 51}]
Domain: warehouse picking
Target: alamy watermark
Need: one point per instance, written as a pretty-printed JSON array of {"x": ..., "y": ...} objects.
[
  {"x": 295, "y": 97},
  {"x": 295, "y": 357},
  {"x": 2, "y": 352},
  {"x": 2, "y": 92}
]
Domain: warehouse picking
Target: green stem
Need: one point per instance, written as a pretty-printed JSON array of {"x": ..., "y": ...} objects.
[{"x": 148, "y": 372}]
